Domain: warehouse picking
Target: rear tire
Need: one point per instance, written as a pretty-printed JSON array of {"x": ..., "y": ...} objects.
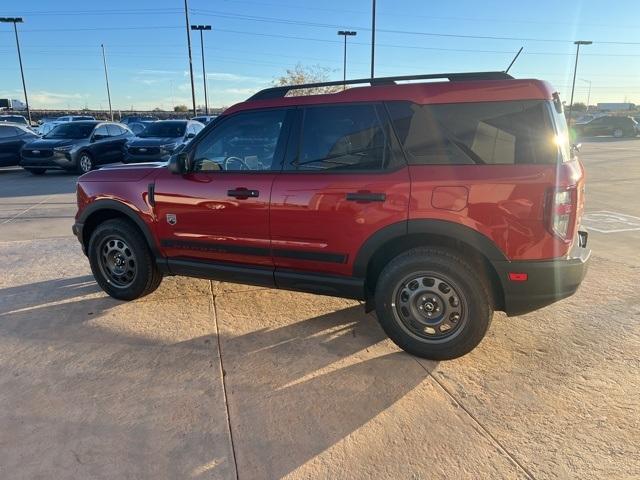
[
  {"x": 36, "y": 171},
  {"x": 121, "y": 261},
  {"x": 432, "y": 304}
]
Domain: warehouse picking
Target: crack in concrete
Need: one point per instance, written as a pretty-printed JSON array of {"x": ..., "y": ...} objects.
[
  {"x": 484, "y": 429},
  {"x": 224, "y": 383}
]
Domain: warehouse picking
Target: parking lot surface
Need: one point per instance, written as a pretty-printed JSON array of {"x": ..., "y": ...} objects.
[{"x": 215, "y": 380}]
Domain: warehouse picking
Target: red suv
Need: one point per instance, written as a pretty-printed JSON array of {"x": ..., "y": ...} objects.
[{"x": 436, "y": 203}]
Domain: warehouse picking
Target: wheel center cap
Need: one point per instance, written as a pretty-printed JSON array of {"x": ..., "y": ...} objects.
[{"x": 429, "y": 307}]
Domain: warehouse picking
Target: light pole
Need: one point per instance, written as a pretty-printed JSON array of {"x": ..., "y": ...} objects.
[
  {"x": 204, "y": 72},
  {"x": 193, "y": 89},
  {"x": 588, "y": 93},
  {"x": 16, "y": 20},
  {"x": 106, "y": 77},
  {"x": 373, "y": 35},
  {"x": 577, "y": 43},
  {"x": 345, "y": 34}
]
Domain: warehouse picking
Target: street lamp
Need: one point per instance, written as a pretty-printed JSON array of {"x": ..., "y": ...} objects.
[
  {"x": 345, "y": 34},
  {"x": 373, "y": 35},
  {"x": 589, "y": 92},
  {"x": 15, "y": 20},
  {"x": 106, "y": 77},
  {"x": 201, "y": 28},
  {"x": 577, "y": 43},
  {"x": 193, "y": 89}
]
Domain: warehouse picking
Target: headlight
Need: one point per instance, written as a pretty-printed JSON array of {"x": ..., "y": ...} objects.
[
  {"x": 169, "y": 147},
  {"x": 63, "y": 149}
]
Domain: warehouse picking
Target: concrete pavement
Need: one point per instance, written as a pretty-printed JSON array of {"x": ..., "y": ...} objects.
[{"x": 214, "y": 380}]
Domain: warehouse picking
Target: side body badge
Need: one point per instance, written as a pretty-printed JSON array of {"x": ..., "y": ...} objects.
[{"x": 171, "y": 218}]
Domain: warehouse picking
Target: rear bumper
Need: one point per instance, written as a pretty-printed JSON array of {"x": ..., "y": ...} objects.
[{"x": 547, "y": 281}]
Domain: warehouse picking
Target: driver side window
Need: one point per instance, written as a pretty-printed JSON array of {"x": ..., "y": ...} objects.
[{"x": 245, "y": 142}]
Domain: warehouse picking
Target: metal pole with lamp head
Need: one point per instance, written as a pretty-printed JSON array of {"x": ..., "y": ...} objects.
[
  {"x": 345, "y": 34},
  {"x": 16, "y": 20},
  {"x": 201, "y": 28},
  {"x": 575, "y": 70}
]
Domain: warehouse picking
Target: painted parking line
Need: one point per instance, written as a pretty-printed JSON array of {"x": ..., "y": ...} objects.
[{"x": 604, "y": 221}]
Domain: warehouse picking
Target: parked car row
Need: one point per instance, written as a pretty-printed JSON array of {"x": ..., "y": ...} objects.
[
  {"x": 615, "y": 126},
  {"x": 80, "y": 145}
]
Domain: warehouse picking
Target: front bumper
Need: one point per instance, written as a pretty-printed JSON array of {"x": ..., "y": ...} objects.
[
  {"x": 57, "y": 160},
  {"x": 77, "y": 231},
  {"x": 132, "y": 158},
  {"x": 547, "y": 281}
]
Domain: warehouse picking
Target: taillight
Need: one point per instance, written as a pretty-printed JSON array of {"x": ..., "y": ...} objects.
[{"x": 562, "y": 212}]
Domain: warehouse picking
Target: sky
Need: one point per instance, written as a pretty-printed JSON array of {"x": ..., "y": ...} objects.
[{"x": 254, "y": 41}]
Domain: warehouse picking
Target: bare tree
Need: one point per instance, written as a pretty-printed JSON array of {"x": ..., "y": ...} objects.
[{"x": 300, "y": 75}]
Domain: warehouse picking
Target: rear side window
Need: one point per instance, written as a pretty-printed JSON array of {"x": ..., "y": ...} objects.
[
  {"x": 343, "y": 137},
  {"x": 484, "y": 133}
]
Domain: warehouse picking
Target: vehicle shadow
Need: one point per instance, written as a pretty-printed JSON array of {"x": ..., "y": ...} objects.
[
  {"x": 294, "y": 391},
  {"x": 19, "y": 183},
  {"x": 297, "y": 390}
]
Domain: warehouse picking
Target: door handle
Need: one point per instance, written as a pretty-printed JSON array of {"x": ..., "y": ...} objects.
[
  {"x": 366, "y": 197},
  {"x": 242, "y": 193}
]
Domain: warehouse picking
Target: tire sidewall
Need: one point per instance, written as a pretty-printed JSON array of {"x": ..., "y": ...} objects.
[
  {"x": 88, "y": 155},
  {"x": 469, "y": 286},
  {"x": 145, "y": 267}
]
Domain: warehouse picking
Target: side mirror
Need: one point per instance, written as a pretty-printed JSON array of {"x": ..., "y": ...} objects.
[
  {"x": 190, "y": 136},
  {"x": 97, "y": 136},
  {"x": 575, "y": 148},
  {"x": 179, "y": 163}
]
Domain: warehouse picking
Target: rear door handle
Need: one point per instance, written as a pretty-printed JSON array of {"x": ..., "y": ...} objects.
[
  {"x": 365, "y": 197},
  {"x": 242, "y": 193}
]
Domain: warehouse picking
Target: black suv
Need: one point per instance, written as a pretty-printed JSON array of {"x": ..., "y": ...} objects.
[
  {"x": 78, "y": 146},
  {"x": 614, "y": 126}
]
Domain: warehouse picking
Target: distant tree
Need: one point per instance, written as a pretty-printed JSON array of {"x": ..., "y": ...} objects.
[
  {"x": 181, "y": 108},
  {"x": 300, "y": 74},
  {"x": 158, "y": 109},
  {"x": 579, "y": 107}
]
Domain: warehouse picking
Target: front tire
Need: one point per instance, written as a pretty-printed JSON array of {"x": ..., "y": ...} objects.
[
  {"x": 85, "y": 163},
  {"x": 121, "y": 261},
  {"x": 432, "y": 304}
]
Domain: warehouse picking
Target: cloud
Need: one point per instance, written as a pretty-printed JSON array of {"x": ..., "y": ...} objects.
[
  {"x": 232, "y": 77},
  {"x": 158, "y": 72},
  {"x": 237, "y": 91}
]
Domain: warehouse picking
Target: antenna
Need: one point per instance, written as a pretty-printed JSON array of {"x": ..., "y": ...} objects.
[{"x": 514, "y": 60}]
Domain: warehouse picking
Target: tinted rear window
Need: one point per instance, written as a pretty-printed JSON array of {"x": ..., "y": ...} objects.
[
  {"x": 517, "y": 132},
  {"x": 165, "y": 129},
  {"x": 345, "y": 137}
]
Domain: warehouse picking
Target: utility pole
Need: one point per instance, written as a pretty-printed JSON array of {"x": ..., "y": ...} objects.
[
  {"x": 373, "y": 36},
  {"x": 106, "y": 77},
  {"x": 588, "y": 93},
  {"x": 345, "y": 34},
  {"x": 16, "y": 20},
  {"x": 575, "y": 70},
  {"x": 193, "y": 89},
  {"x": 201, "y": 28}
]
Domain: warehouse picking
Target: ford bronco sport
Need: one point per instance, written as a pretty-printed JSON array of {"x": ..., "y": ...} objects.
[{"x": 436, "y": 203}]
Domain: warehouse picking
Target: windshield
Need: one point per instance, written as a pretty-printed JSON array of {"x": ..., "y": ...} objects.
[
  {"x": 164, "y": 129},
  {"x": 14, "y": 119},
  {"x": 71, "y": 130}
]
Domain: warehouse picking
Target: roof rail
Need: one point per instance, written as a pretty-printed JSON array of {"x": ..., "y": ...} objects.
[{"x": 279, "y": 92}]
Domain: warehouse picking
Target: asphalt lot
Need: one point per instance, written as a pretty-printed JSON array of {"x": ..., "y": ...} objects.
[{"x": 214, "y": 380}]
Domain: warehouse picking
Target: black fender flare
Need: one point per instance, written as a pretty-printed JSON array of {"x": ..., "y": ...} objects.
[
  {"x": 444, "y": 228},
  {"x": 127, "y": 211}
]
